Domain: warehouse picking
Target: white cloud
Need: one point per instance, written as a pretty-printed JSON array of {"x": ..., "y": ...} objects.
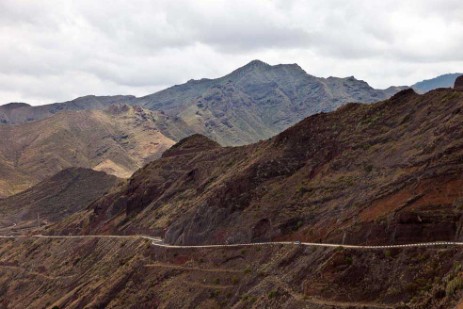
[{"x": 55, "y": 50}]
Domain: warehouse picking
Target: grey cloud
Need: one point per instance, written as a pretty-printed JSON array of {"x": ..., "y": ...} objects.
[{"x": 55, "y": 50}]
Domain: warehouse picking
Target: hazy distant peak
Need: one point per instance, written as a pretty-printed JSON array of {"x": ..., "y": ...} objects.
[
  {"x": 441, "y": 81},
  {"x": 15, "y": 105},
  {"x": 257, "y": 63},
  {"x": 250, "y": 67}
]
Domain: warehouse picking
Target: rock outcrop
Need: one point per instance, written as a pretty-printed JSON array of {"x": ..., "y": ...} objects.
[{"x": 459, "y": 83}]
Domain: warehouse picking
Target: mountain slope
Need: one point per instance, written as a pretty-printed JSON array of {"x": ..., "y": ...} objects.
[
  {"x": 18, "y": 113},
  {"x": 56, "y": 197},
  {"x": 390, "y": 172},
  {"x": 118, "y": 140},
  {"x": 442, "y": 81},
  {"x": 252, "y": 103},
  {"x": 258, "y": 101}
]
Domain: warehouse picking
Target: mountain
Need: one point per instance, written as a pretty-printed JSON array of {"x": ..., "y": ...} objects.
[
  {"x": 252, "y": 103},
  {"x": 117, "y": 140},
  {"x": 441, "y": 81},
  {"x": 379, "y": 170},
  {"x": 18, "y": 113},
  {"x": 56, "y": 197},
  {"x": 257, "y": 101},
  {"x": 385, "y": 173}
]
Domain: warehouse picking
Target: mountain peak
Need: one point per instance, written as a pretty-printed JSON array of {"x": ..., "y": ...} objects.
[
  {"x": 251, "y": 66},
  {"x": 192, "y": 143},
  {"x": 15, "y": 105},
  {"x": 257, "y": 63}
]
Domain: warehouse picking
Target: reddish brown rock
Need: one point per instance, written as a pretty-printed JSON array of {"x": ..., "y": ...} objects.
[{"x": 459, "y": 83}]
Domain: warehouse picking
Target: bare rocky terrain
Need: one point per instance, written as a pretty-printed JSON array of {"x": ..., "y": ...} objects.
[
  {"x": 252, "y": 103},
  {"x": 124, "y": 273},
  {"x": 118, "y": 140},
  {"x": 55, "y": 198},
  {"x": 364, "y": 174},
  {"x": 383, "y": 173}
]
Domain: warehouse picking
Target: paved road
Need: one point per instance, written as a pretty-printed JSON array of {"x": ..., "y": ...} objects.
[
  {"x": 159, "y": 243},
  {"x": 156, "y": 241}
]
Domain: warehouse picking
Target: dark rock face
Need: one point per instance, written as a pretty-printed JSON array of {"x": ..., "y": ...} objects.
[{"x": 459, "y": 83}]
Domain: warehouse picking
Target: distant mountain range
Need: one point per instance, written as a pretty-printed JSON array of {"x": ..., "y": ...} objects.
[
  {"x": 119, "y": 134},
  {"x": 442, "y": 81},
  {"x": 252, "y": 103}
]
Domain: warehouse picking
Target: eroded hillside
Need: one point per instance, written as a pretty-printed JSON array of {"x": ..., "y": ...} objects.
[
  {"x": 386, "y": 173},
  {"x": 365, "y": 174},
  {"x": 118, "y": 140},
  {"x": 130, "y": 273},
  {"x": 54, "y": 198}
]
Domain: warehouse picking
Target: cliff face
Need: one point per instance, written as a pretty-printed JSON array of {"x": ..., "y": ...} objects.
[{"x": 383, "y": 173}]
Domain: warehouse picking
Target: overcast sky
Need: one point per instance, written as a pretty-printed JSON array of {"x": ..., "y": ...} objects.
[{"x": 56, "y": 50}]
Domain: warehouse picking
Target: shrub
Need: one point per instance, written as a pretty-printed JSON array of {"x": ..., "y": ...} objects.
[
  {"x": 387, "y": 253},
  {"x": 272, "y": 294},
  {"x": 454, "y": 285},
  {"x": 349, "y": 260},
  {"x": 368, "y": 168}
]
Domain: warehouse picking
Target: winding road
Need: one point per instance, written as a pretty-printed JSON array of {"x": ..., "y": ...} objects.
[{"x": 156, "y": 241}]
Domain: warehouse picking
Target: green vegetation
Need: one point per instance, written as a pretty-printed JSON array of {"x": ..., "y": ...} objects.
[
  {"x": 454, "y": 285},
  {"x": 349, "y": 260},
  {"x": 272, "y": 294},
  {"x": 387, "y": 253},
  {"x": 369, "y": 168}
]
